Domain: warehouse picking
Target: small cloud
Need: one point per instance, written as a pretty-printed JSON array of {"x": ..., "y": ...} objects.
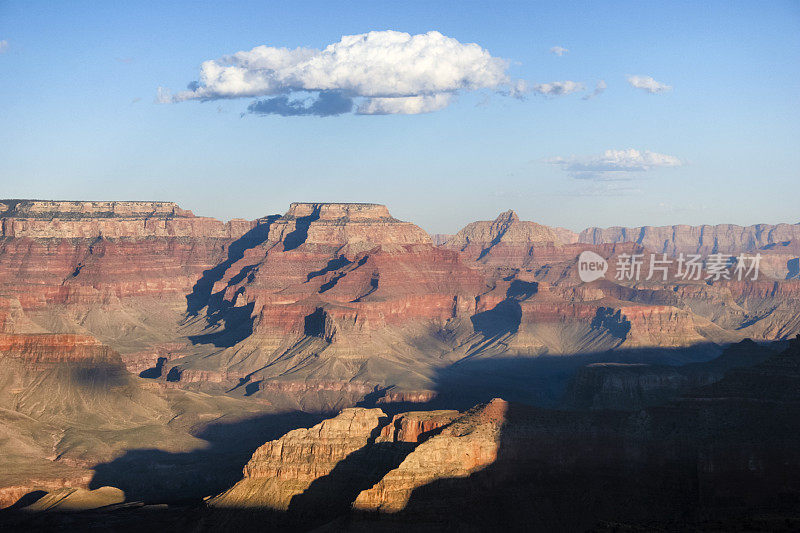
[
  {"x": 613, "y": 165},
  {"x": 646, "y": 83},
  {"x": 136, "y": 100},
  {"x": 598, "y": 90},
  {"x": 558, "y": 88},
  {"x": 558, "y": 50},
  {"x": 326, "y": 104},
  {"x": 3, "y": 46}
]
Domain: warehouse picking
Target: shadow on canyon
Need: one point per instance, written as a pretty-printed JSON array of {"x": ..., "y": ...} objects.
[
  {"x": 539, "y": 381},
  {"x": 201, "y": 292},
  {"x": 238, "y": 322},
  {"x": 154, "y": 475},
  {"x": 706, "y": 465}
]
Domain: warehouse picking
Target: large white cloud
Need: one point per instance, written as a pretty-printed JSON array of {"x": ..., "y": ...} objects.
[
  {"x": 393, "y": 72},
  {"x": 646, "y": 83},
  {"x": 614, "y": 164}
]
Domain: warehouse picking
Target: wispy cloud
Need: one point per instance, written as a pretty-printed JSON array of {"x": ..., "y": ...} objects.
[
  {"x": 606, "y": 189},
  {"x": 599, "y": 89},
  {"x": 379, "y": 72},
  {"x": 559, "y": 88},
  {"x": 521, "y": 88},
  {"x": 646, "y": 83},
  {"x": 559, "y": 50},
  {"x": 3, "y": 46},
  {"x": 614, "y": 164}
]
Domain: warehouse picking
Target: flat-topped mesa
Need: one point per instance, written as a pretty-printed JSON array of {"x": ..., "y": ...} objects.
[
  {"x": 339, "y": 211},
  {"x": 359, "y": 226},
  {"x": 63, "y": 209},
  {"x": 45, "y": 219}
]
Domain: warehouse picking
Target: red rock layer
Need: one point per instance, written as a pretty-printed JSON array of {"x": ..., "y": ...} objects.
[{"x": 47, "y": 348}]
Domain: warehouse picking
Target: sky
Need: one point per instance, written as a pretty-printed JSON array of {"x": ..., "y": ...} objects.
[{"x": 573, "y": 114}]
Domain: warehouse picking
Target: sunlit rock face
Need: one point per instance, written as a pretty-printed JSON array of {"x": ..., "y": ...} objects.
[
  {"x": 343, "y": 455},
  {"x": 85, "y": 220}
]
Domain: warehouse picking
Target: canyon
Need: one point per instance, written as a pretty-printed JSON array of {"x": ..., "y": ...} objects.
[{"x": 177, "y": 357}]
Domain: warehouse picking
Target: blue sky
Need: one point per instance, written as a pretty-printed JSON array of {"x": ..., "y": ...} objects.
[{"x": 79, "y": 82}]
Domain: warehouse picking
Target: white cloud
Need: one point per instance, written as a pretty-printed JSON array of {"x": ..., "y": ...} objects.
[
  {"x": 3, "y": 46},
  {"x": 559, "y": 50},
  {"x": 614, "y": 164},
  {"x": 393, "y": 71},
  {"x": 646, "y": 83},
  {"x": 599, "y": 89}
]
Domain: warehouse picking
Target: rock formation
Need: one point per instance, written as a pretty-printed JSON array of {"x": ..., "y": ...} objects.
[
  {"x": 315, "y": 474},
  {"x": 508, "y": 465},
  {"x": 723, "y": 238},
  {"x": 506, "y": 240}
]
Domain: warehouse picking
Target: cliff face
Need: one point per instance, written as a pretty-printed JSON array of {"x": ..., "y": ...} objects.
[
  {"x": 120, "y": 271},
  {"x": 38, "y": 219},
  {"x": 283, "y": 469},
  {"x": 316, "y": 473},
  {"x": 723, "y": 238}
]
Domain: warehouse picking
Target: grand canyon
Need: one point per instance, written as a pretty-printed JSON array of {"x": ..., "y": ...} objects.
[{"x": 337, "y": 369}]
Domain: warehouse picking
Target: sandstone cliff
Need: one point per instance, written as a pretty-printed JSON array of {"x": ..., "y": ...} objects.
[{"x": 316, "y": 473}]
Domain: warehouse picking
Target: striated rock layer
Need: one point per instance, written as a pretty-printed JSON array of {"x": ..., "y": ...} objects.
[{"x": 332, "y": 303}]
